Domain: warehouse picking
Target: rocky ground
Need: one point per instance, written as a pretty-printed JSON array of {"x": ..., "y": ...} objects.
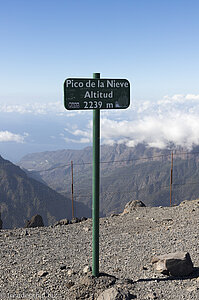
[{"x": 49, "y": 262}]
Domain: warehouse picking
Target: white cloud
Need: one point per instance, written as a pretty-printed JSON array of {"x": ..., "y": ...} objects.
[
  {"x": 82, "y": 133},
  {"x": 192, "y": 97},
  {"x": 6, "y": 136},
  {"x": 39, "y": 109},
  {"x": 84, "y": 136},
  {"x": 34, "y": 108},
  {"x": 171, "y": 120},
  {"x": 78, "y": 141},
  {"x": 180, "y": 99}
]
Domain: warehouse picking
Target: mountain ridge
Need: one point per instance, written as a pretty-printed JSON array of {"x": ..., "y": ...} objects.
[
  {"x": 21, "y": 197},
  {"x": 126, "y": 173}
]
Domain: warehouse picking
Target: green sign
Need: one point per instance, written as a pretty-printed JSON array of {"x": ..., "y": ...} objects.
[{"x": 82, "y": 93}]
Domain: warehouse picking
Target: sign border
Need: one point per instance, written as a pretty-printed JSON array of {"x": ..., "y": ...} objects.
[{"x": 76, "y": 93}]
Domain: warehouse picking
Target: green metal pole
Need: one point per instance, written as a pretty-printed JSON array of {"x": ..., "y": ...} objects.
[{"x": 96, "y": 188}]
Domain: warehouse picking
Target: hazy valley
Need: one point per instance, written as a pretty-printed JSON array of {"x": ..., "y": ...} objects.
[{"x": 126, "y": 173}]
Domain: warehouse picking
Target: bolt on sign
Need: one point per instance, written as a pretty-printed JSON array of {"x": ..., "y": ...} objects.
[{"x": 96, "y": 93}]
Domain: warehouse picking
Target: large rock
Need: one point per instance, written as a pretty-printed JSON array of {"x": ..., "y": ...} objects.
[
  {"x": 114, "y": 293},
  {"x": 36, "y": 221},
  {"x": 62, "y": 222},
  {"x": 74, "y": 220},
  {"x": 175, "y": 264},
  {"x": 132, "y": 205}
]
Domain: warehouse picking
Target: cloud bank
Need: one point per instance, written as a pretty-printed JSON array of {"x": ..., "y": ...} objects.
[
  {"x": 158, "y": 132},
  {"x": 34, "y": 108},
  {"x": 7, "y": 136},
  {"x": 171, "y": 120}
]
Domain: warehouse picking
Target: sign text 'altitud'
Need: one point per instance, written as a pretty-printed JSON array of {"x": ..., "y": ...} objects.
[{"x": 96, "y": 93}]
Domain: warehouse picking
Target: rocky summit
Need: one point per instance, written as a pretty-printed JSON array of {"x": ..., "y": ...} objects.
[{"x": 55, "y": 262}]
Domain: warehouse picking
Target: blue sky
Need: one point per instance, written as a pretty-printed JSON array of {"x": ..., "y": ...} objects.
[{"x": 154, "y": 44}]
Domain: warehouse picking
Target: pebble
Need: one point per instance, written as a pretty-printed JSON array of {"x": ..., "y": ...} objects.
[
  {"x": 70, "y": 272},
  {"x": 42, "y": 273},
  {"x": 63, "y": 267},
  {"x": 87, "y": 269}
]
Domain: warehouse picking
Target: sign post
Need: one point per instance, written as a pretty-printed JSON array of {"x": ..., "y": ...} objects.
[
  {"x": 96, "y": 94},
  {"x": 96, "y": 188}
]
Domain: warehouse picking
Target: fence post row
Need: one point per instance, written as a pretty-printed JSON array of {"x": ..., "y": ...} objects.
[
  {"x": 72, "y": 190},
  {"x": 171, "y": 178}
]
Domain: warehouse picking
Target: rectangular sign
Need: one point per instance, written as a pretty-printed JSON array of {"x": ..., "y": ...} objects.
[{"x": 82, "y": 93}]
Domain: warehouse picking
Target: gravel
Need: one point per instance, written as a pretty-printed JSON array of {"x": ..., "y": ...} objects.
[{"x": 49, "y": 262}]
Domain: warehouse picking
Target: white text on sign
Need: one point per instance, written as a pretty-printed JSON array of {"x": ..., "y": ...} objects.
[{"x": 97, "y": 83}]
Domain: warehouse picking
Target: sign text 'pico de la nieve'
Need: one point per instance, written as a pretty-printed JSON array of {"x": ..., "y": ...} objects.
[{"x": 96, "y": 93}]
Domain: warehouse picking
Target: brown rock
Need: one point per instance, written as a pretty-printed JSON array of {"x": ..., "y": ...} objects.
[
  {"x": 74, "y": 220},
  {"x": 36, "y": 221},
  {"x": 62, "y": 222},
  {"x": 132, "y": 205},
  {"x": 175, "y": 264}
]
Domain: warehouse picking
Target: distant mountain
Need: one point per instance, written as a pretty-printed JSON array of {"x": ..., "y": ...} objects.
[
  {"x": 21, "y": 197},
  {"x": 54, "y": 167},
  {"x": 127, "y": 173}
]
